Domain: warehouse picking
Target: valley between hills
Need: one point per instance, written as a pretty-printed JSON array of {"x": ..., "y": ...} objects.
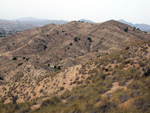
[{"x": 76, "y": 68}]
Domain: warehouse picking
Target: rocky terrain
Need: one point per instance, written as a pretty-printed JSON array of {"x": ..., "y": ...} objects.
[{"x": 81, "y": 67}]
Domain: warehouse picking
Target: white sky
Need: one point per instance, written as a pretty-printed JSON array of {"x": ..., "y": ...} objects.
[{"x": 136, "y": 11}]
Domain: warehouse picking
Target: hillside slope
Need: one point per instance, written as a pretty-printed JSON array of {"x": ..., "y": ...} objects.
[
  {"x": 37, "y": 51},
  {"x": 116, "y": 83}
]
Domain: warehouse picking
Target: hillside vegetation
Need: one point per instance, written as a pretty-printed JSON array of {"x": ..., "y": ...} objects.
[
  {"x": 119, "y": 82},
  {"x": 75, "y": 68},
  {"x": 36, "y": 52},
  {"x": 116, "y": 83}
]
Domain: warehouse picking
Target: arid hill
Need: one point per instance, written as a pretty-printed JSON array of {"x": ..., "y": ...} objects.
[
  {"x": 116, "y": 83},
  {"x": 42, "y": 62},
  {"x": 37, "y": 51}
]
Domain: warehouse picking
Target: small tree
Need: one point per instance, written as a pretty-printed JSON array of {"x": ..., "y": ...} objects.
[
  {"x": 70, "y": 44},
  {"x": 59, "y": 68},
  {"x": 126, "y": 29},
  {"x": 14, "y": 58},
  {"x": 55, "y": 67},
  {"x": 20, "y": 64},
  {"x": 75, "y": 39},
  {"x": 90, "y": 40},
  {"x": 14, "y": 99},
  {"x": 1, "y": 78}
]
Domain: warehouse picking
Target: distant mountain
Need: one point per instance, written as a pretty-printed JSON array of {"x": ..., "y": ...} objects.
[
  {"x": 86, "y": 21},
  {"x": 2, "y": 20},
  {"x": 30, "y": 19},
  {"x": 125, "y": 22},
  {"x": 44, "y": 22},
  {"x": 9, "y": 27},
  {"x": 143, "y": 27},
  {"x": 38, "y": 21}
]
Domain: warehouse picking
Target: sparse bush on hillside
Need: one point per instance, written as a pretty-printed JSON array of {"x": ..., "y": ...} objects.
[
  {"x": 57, "y": 32},
  {"x": 1, "y": 78},
  {"x": 70, "y": 44},
  {"x": 141, "y": 63},
  {"x": 142, "y": 104},
  {"x": 107, "y": 107},
  {"x": 51, "y": 102},
  {"x": 146, "y": 71},
  {"x": 138, "y": 29},
  {"x": 126, "y": 29},
  {"x": 20, "y": 64},
  {"x": 127, "y": 48},
  {"x": 16, "y": 108},
  {"x": 66, "y": 94},
  {"x": 90, "y": 40},
  {"x": 59, "y": 68},
  {"x": 75, "y": 39},
  {"x": 55, "y": 67},
  {"x": 3, "y": 99},
  {"x": 126, "y": 62},
  {"x": 62, "y": 88},
  {"x": 14, "y": 99},
  {"x": 102, "y": 75},
  {"x": 41, "y": 90},
  {"x": 14, "y": 58},
  {"x": 4, "y": 89},
  {"x": 124, "y": 97},
  {"x": 18, "y": 76}
]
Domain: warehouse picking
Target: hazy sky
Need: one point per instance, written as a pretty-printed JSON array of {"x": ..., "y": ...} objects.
[{"x": 136, "y": 11}]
